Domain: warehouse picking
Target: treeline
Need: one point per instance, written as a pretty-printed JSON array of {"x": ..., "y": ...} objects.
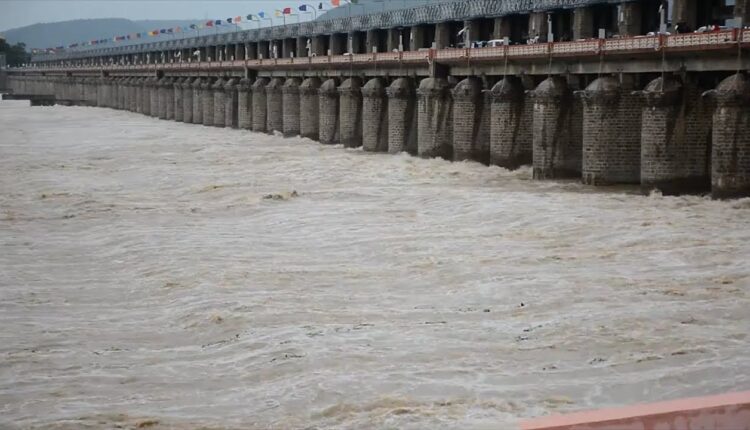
[{"x": 15, "y": 55}]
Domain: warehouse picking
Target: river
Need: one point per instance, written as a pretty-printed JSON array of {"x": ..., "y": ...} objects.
[{"x": 163, "y": 275}]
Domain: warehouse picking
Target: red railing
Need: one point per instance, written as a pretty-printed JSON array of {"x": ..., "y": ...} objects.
[{"x": 581, "y": 48}]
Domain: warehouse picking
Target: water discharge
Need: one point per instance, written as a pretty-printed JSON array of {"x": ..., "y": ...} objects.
[{"x": 162, "y": 275}]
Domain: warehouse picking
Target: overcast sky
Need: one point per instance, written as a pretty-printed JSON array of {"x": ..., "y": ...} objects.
[{"x": 18, "y": 13}]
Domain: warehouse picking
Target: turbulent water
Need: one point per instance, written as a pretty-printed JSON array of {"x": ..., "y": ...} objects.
[{"x": 163, "y": 275}]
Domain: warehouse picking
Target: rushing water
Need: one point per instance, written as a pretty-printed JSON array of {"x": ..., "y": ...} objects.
[{"x": 153, "y": 272}]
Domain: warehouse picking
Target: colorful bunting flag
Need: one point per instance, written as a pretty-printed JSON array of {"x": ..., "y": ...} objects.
[{"x": 211, "y": 23}]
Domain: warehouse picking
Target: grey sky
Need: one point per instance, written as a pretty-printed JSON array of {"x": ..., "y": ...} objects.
[{"x": 18, "y": 13}]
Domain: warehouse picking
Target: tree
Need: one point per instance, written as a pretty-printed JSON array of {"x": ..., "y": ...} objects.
[{"x": 15, "y": 55}]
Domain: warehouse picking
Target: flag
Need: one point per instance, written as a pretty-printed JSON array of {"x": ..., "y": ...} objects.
[
  {"x": 262, "y": 14},
  {"x": 303, "y": 8},
  {"x": 320, "y": 5},
  {"x": 336, "y": 2},
  {"x": 218, "y": 22},
  {"x": 229, "y": 20},
  {"x": 250, "y": 17},
  {"x": 162, "y": 31},
  {"x": 192, "y": 26},
  {"x": 287, "y": 11},
  {"x": 209, "y": 23},
  {"x": 170, "y": 30},
  {"x": 178, "y": 30},
  {"x": 237, "y": 19},
  {"x": 278, "y": 13}
]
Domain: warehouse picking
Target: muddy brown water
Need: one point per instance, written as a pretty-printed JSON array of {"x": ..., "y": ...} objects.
[{"x": 161, "y": 275}]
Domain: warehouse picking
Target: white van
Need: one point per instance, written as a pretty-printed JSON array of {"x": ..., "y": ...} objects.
[{"x": 497, "y": 42}]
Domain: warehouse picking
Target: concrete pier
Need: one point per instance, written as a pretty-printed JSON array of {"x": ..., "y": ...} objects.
[
  {"x": 207, "y": 102},
  {"x": 260, "y": 104},
  {"x": 145, "y": 96},
  {"x": 100, "y": 82},
  {"x": 510, "y": 124},
  {"x": 162, "y": 97},
  {"x": 468, "y": 104},
  {"x": 675, "y": 138},
  {"x": 135, "y": 87},
  {"x": 611, "y": 133},
  {"x": 153, "y": 87},
  {"x": 275, "y": 106},
  {"x": 730, "y": 155},
  {"x": 231, "y": 100},
  {"x": 187, "y": 100},
  {"x": 168, "y": 88},
  {"x": 309, "y": 104},
  {"x": 69, "y": 91},
  {"x": 291, "y": 107},
  {"x": 244, "y": 105},
  {"x": 198, "y": 101},
  {"x": 557, "y": 131},
  {"x": 375, "y": 116},
  {"x": 434, "y": 136},
  {"x": 402, "y": 116},
  {"x": 178, "y": 104},
  {"x": 350, "y": 112},
  {"x": 328, "y": 109},
  {"x": 220, "y": 106}
]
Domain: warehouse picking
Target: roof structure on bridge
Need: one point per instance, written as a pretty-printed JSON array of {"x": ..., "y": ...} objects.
[{"x": 432, "y": 13}]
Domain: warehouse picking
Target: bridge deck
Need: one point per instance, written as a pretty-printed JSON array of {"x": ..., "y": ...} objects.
[{"x": 596, "y": 49}]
